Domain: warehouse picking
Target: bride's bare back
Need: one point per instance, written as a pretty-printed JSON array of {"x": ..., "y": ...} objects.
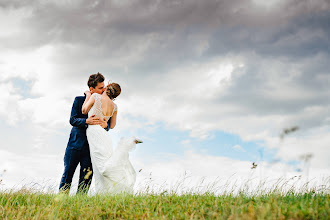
[
  {"x": 102, "y": 107},
  {"x": 108, "y": 106}
]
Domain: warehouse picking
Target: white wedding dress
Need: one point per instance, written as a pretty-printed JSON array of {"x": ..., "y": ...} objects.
[{"x": 112, "y": 170}]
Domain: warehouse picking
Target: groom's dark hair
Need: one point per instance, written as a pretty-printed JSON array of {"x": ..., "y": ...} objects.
[{"x": 95, "y": 79}]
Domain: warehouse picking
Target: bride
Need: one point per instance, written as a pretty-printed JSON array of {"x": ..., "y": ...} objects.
[{"x": 113, "y": 172}]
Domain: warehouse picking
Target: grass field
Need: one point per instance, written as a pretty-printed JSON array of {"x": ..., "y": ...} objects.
[{"x": 26, "y": 204}]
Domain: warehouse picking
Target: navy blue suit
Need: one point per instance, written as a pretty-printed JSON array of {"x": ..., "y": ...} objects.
[{"x": 77, "y": 150}]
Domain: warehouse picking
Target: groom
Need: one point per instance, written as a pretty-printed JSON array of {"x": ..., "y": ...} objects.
[{"x": 77, "y": 150}]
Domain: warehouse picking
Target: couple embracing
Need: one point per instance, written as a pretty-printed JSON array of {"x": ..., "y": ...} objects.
[{"x": 92, "y": 116}]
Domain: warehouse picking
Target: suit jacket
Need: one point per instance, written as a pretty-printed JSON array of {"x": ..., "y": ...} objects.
[{"x": 78, "y": 138}]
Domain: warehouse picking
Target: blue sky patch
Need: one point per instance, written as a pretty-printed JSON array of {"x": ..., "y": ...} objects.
[
  {"x": 23, "y": 87},
  {"x": 159, "y": 139}
]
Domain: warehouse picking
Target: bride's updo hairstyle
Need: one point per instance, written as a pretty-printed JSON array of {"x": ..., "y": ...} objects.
[{"x": 113, "y": 90}]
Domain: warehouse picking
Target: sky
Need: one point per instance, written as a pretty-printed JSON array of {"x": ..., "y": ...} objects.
[{"x": 209, "y": 86}]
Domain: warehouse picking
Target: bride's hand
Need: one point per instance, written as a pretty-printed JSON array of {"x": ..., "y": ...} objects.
[{"x": 87, "y": 93}]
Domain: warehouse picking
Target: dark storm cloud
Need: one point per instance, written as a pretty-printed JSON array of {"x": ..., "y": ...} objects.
[
  {"x": 225, "y": 23},
  {"x": 295, "y": 33},
  {"x": 298, "y": 91},
  {"x": 305, "y": 35}
]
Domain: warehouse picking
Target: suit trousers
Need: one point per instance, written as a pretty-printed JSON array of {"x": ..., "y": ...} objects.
[{"x": 72, "y": 158}]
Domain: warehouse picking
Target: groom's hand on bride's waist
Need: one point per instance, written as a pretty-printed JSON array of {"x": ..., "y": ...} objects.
[
  {"x": 92, "y": 120},
  {"x": 104, "y": 123}
]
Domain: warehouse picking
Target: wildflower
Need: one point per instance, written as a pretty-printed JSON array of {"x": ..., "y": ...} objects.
[
  {"x": 59, "y": 197},
  {"x": 89, "y": 172}
]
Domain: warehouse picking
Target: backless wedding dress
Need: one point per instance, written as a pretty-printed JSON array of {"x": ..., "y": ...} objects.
[{"x": 113, "y": 172}]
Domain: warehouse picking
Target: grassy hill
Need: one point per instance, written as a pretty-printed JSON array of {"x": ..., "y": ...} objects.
[{"x": 26, "y": 204}]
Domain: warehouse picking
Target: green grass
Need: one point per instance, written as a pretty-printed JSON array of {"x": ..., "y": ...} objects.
[{"x": 26, "y": 204}]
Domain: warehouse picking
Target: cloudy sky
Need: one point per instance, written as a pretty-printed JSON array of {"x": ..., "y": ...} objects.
[{"x": 208, "y": 85}]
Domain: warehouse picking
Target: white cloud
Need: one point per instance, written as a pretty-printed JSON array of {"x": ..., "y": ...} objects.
[
  {"x": 30, "y": 169},
  {"x": 315, "y": 142},
  {"x": 8, "y": 103},
  {"x": 238, "y": 148}
]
